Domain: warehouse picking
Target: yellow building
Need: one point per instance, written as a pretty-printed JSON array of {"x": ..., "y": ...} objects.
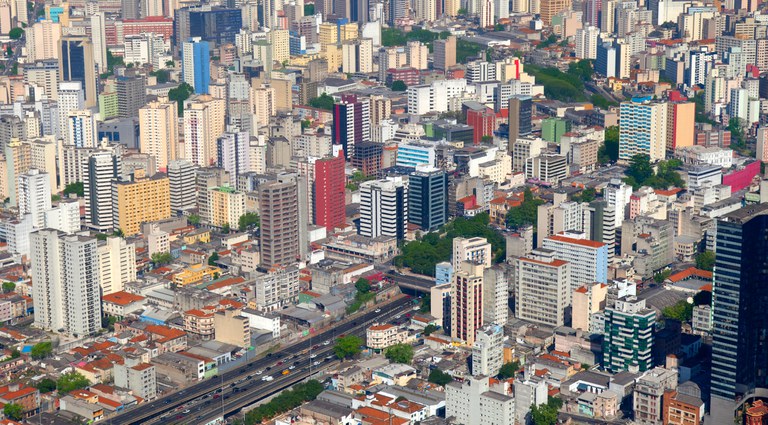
[
  {"x": 195, "y": 274},
  {"x": 232, "y": 328},
  {"x": 348, "y": 32},
  {"x": 227, "y": 206},
  {"x": 140, "y": 201},
  {"x": 197, "y": 235},
  {"x": 159, "y": 131},
  {"x": 328, "y": 33},
  {"x": 280, "y": 45}
]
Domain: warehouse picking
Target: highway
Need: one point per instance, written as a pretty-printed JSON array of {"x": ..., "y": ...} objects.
[{"x": 195, "y": 404}]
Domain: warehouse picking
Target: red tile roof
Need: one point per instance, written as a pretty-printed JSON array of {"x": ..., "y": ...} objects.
[
  {"x": 582, "y": 242},
  {"x": 688, "y": 273},
  {"x": 121, "y": 298}
]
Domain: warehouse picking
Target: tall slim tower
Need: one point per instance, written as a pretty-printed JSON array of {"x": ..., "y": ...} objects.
[
  {"x": 384, "y": 208},
  {"x": 279, "y": 205},
  {"x": 66, "y": 276},
  {"x": 70, "y": 98},
  {"x": 159, "y": 132},
  {"x": 329, "y": 192},
  {"x": 467, "y": 301},
  {"x": 195, "y": 64},
  {"x": 35, "y": 196},
  {"x": 99, "y": 38},
  {"x": 181, "y": 174},
  {"x": 76, "y": 64},
  {"x": 100, "y": 169}
]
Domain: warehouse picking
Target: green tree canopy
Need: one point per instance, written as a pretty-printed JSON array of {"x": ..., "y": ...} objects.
[
  {"x": 682, "y": 311},
  {"x": 41, "y": 350},
  {"x": 587, "y": 195},
  {"x": 46, "y": 385},
  {"x": 546, "y": 414},
  {"x": 399, "y": 85},
  {"x": 77, "y": 188},
  {"x": 430, "y": 329},
  {"x": 526, "y": 213},
  {"x": 640, "y": 173},
  {"x": 161, "y": 258},
  {"x": 609, "y": 150},
  {"x": 285, "y": 401},
  {"x": 15, "y": 33},
  {"x": 363, "y": 285},
  {"x": 399, "y": 353},
  {"x": 180, "y": 94},
  {"x": 71, "y": 381},
  {"x": 13, "y": 411},
  {"x": 162, "y": 75},
  {"x": 437, "y": 376},
  {"x": 347, "y": 346},
  {"x": 309, "y": 9},
  {"x": 508, "y": 370},
  {"x": 194, "y": 219},
  {"x": 213, "y": 258},
  {"x": 705, "y": 261},
  {"x": 8, "y": 286},
  {"x": 248, "y": 220},
  {"x": 324, "y": 101}
]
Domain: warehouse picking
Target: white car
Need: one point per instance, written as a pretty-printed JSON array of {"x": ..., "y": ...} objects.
[
  {"x": 327, "y": 342},
  {"x": 259, "y": 372},
  {"x": 378, "y": 310},
  {"x": 291, "y": 367},
  {"x": 313, "y": 356},
  {"x": 267, "y": 378},
  {"x": 316, "y": 363}
]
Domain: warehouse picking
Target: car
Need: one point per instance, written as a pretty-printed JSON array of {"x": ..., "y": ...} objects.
[
  {"x": 316, "y": 347},
  {"x": 378, "y": 310},
  {"x": 286, "y": 371},
  {"x": 268, "y": 368},
  {"x": 249, "y": 377},
  {"x": 226, "y": 397},
  {"x": 179, "y": 416},
  {"x": 316, "y": 363},
  {"x": 186, "y": 411},
  {"x": 292, "y": 367},
  {"x": 328, "y": 342},
  {"x": 269, "y": 355},
  {"x": 236, "y": 390},
  {"x": 215, "y": 396},
  {"x": 408, "y": 315},
  {"x": 259, "y": 372},
  {"x": 313, "y": 356},
  {"x": 279, "y": 363}
]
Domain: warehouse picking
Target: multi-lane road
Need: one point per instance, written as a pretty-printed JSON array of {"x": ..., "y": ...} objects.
[{"x": 235, "y": 389}]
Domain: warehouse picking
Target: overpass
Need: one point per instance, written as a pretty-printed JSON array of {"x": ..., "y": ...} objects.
[{"x": 412, "y": 285}]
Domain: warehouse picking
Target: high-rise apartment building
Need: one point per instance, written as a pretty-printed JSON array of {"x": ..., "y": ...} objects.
[
  {"x": 139, "y": 201},
  {"x": 181, "y": 177},
  {"x": 196, "y": 68},
  {"x": 351, "y": 118},
  {"x": 43, "y": 78},
  {"x": 34, "y": 196},
  {"x": 628, "y": 336},
  {"x": 227, "y": 206},
  {"x": 329, "y": 192},
  {"x": 232, "y": 150},
  {"x": 384, "y": 208},
  {"x": 99, "y": 40},
  {"x": 520, "y": 116},
  {"x": 642, "y": 129},
  {"x": 66, "y": 276},
  {"x": 680, "y": 125},
  {"x": 280, "y": 227},
  {"x": 586, "y": 41},
  {"x": 445, "y": 53},
  {"x": 159, "y": 132},
  {"x": 18, "y": 160},
  {"x": 588, "y": 259},
  {"x": 203, "y": 124},
  {"x": 43, "y": 38},
  {"x": 586, "y": 301},
  {"x": 542, "y": 290},
  {"x": 495, "y": 295},
  {"x": 648, "y": 396},
  {"x": 467, "y": 301},
  {"x": 549, "y": 8},
  {"x": 476, "y": 402},
  {"x": 70, "y": 98},
  {"x": 367, "y": 157},
  {"x": 488, "y": 350},
  {"x": 76, "y": 64},
  {"x": 475, "y": 250},
  {"x": 101, "y": 168},
  {"x": 131, "y": 95},
  {"x": 739, "y": 354},
  {"x": 428, "y": 198},
  {"x": 81, "y": 129},
  {"x": 117, "y": 264},
  {"x": 64, "y": 217}
]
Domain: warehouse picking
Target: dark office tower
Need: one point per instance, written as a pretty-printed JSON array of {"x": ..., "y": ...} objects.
[
  {"x": 398, "y": 9},
  {"x": 520, "y": 115},
  {"x": 131, "y": 95},
  {"x": 76, "y": 64},
  {"x": 367, "y": 157},
  {"x": 342, "y": 8},
  {"x": 279, "y": 208},
  {"x": 329, "y": 193},
  {"x": 131, "y": 9},
  {"x": 215, "y": 25},
  {"x": 739, "y": 306},
  {"x": 351, "y": 122},
  {"x": 428, "y": 198},
  {"x": 325, "y": 7}
]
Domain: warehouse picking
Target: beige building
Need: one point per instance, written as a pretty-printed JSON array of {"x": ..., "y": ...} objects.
[
  {"x": 280, "y": 45},
  {"x": 43, "y": 40},
  {"x": 445, "y": 50},
  {"x": 159, "y": 132},
  {"x": 379, "y": 337},
  {"x": 143, "y": 200},
  {"x": 417, "y": 54},
  {"x": 232, "y": 328},
  {"x": 542, "y": 289},
  {"x": 141, "y": 379},
  {"x": 381, "y": 109},
  {"x": 43, "y": 76},
  {"x": 474, "y": 250},
  {"x": 467, "y": 300},
  {"x": 117, "y": 264},
  {"x": 200, "y": 323},
  {"x": 43, "y": 157},
  {"x": 550, "y": 8},
  {"x": 227, "y": 205},
  {"x": 263, "y": 104},
  {"x": 203, "y": 124},
  {"x": 587, "y": 300}
]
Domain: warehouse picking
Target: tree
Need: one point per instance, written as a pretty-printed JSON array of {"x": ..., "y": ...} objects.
[
  {"x": 41, "y": 350},
  {"x": 587, "y": 195},
  {"x": 170, "y": 64},
  {"x": 661, "y": 276},
  {"x": 498, "y": 27},
  {"x": 309, "y": 9},
  {"x": 180, "y": 94},
  {"x": 526, "y": 213},
  {"x": 46, "y": 385},
  {"x": 437, "y": 376},
  {"x": 640, "y": 168},
  {"x": 194, "y": 219},
  {"x": 225, "y": 229},
  {"x": 682, "y": 311},
  {"x": 324, "y": 101},
  {"x": 609, "y": 150},
  {"x": 13, "y": 411},
  {"x": 399, "y": 85},
  {"x": 77, "y": 188},
  {"x": 363, "y": 285},
  {"x": 113, "y": 61},
  {"x": 430, "y": 329},
  {"x": 119, "y": 233},
  {"x": 71, "y": 381},
  {"x": 399, "y": 353},
  {"x": 8, "y": 287},
  {"x": 461, "y": 12},
  {"x": 347, "y": 346},
  {"x": 508, "y": 370},
  {"x": 486, "y": 139},
  {"x": 161, "y": 258},
  {"x": 248, "y": 220},
  {"x": 546, "y": 414},
  {"x": 705, "y": 261},
  {"x": 55, "y": 198},
  {"x": 213, "y": 258},
  {"x": 15, "y": 33},
  {"x": 162, "y": 75}
]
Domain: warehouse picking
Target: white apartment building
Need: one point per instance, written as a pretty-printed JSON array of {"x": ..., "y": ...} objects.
[
  {"x": 384, "y": 207},
  {"x": 588, "y": 259},
  {"x": 542, "y": 288},
  {"x": 586, "y": 42},
  {"x": 434, "y": 97},
  {"x": 276, "y": 287},
  {"x": 117, "y": 264},
  {"x": 488, "y": 350},
  {"x": 34, "y": 196},
  {"x": 381, "y": 336},
  {"x": 495, "y": 296},
  {"x": 474, "y": 250},
  {"x": 476, "y": 402},
  {"x": 65, "y": 217}
]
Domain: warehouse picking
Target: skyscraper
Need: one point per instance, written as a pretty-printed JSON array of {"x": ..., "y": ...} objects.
[
  {"x": 488, "y": 350},
  {"x": 542, "y": 290},
  {"x": 159, "y": 132},
  {"x": 203, "y": 123},
  {"x": 232, "y": 153},
  {"x": 227, "y": 206},
  {"x": 181, "y": 176},
  {"x": 550, "y": 8},
  {"x": 384, "y": 208},
  {"x": 589, "y": 259},
  {"x": 520, "y": 115},
  {"x": 628, "y": 336},
  {"x": 445, "y": 53},
  {"x": 81, "y": 128},
  {"x": 279, "y": 206},
  {"x": 467, "y": 301},
  {"x": 131, "y": 95},
  {"x": 100, "y": 169},
  {"x": 195, "y": 64},
  {"x": 76, "y": 64},
  {"x": 739, "y": 353},
  {"x": 34, "y": 196},
  {"x": 428, "y": 198},
  {"x": 329, "y": 192},
  {"x": 642, "y": 129},
  {"x": 66, "y": 290},
  {"x": 117, "y": 264},
  {"x": 351, "y": 122},
  {"x": 70, "y": 98},
  {"x": 98, "y": 35}
]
